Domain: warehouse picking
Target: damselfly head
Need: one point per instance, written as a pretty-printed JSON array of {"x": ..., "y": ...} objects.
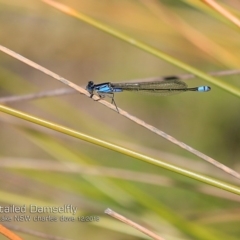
[{"x": 90, "y": 86}]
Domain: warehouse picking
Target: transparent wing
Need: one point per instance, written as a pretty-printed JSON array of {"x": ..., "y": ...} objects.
[{"x": 164, "y": 88}]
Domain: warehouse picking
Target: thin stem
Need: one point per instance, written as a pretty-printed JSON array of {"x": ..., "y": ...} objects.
[
  {"x": 214, "y": 5},
  {"x": 132, "y": 224},
  {"x": 34, "y": 233},
  {"x": 33, "y": 96},
  {"x": 64, "y": 91},
  {"x": 121, "y": 112},
  {"x": 9, "y": 234}
]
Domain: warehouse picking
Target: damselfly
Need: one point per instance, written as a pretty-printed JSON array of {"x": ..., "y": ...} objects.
[{"x": 166, "y": 86}]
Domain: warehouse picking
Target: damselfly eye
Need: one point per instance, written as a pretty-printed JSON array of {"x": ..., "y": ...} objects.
[{"x": 90, "y": 83}]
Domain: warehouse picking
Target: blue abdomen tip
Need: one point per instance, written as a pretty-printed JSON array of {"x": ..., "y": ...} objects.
[{"x": 204, "y": 89}]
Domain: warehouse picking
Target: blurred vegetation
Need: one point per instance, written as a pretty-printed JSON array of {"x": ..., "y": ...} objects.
[{"x": 38, "y": 166}]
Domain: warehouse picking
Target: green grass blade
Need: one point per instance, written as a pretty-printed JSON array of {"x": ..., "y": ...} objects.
[
  {"x": 227, "y": 87},
  {"x": 119, "y": 149}
]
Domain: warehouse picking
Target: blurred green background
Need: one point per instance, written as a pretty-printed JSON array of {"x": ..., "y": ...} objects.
[{"x": 40, "y": 166}]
